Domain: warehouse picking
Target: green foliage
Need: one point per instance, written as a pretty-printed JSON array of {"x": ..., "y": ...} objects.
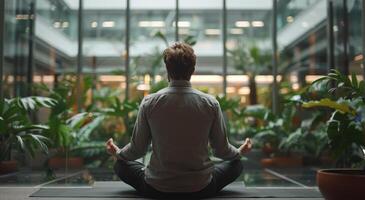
[
  {"x": 16, "y": 128},
  {"x": 158, "y": 86},
  {"x": 346, "y": 126},
  {"x": 250, "y": 61}
]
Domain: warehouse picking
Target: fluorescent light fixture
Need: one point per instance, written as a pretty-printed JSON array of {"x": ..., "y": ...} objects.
[
  {"x": 290, "y": 19},
  {"x": 22, "y": 17},
  {"x": 242, "y": 24},
  {"x": 212, "y": 31},
  {"x": 108, "y": 24},
  {"x": 44, "y": 79},
  {"x": 311, "y": 78},
  {"x": 335, "y": 28},
  {"x": 236, "y": 31},
  {"x": 94, "y": 24},
  {"x": 183, "y": 24},
  {"x": 111, "y": 78},
  {"x": 231, "y": 90},
  {"x": 257, "y": 23},
  {"x": 65, "y": 24},
  {"x": 206, "y": 79},
  {"x": 57, "y": 24},
  {"x": 305, "y": 24},
  {"x": 244, "y": 91},
  {"x": 154, "y": 24}
]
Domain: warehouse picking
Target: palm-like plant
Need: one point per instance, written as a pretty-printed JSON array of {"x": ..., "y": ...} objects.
[
  {"x": 251, "y": 62},
  {"x": 16, "y": 128}
]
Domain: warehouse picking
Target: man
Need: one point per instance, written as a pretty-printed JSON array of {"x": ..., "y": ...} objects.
[{"x": 180, "y": 122}]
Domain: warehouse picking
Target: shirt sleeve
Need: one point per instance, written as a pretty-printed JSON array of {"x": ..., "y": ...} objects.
[
  {"x": 141, "y": 137},
  {"x": 218, "y": 138}
]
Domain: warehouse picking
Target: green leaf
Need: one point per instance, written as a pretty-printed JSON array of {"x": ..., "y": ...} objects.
[
  {"x": 39, "y": 141},
  {"x": 20, "y": 142},
  {"x": 342, "y": 107}
]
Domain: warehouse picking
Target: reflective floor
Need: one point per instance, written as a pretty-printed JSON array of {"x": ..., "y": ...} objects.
[{"x": 252, "y": 176}]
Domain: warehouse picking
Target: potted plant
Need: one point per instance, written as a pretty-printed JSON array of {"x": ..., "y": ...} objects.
[
  {"x": 346, "y": 135},
  {"x": 17, "y": 130},
  {"x": 251, "y": 62}
]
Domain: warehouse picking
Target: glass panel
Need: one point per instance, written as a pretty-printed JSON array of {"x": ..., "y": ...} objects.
[
  {"x": 302, "y": 42},
  {"x": 152, "y": 30},
  {"x": 103, "y": 79},
  {"x": 40, "y": 49},
  {"x": 203, "y": 21},
  {"x": 249, "y": 51}
]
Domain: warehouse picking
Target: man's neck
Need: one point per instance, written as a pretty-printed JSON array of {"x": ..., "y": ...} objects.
[{"x": 179, "y": 83}]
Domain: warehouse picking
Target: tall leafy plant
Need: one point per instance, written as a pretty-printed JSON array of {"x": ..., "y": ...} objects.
[
  {"x": 17, "y": 131},
  {"x": 251, "y": 62},
  {"x": 346, "y": 126}
]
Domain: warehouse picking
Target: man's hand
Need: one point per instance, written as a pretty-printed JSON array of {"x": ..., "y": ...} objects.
[
  {"x": 246, "y": 146},
  {"x": 111, "y": 148}
]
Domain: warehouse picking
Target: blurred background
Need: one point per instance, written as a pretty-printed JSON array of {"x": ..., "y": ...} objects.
[{"x": 96, "y": 60}]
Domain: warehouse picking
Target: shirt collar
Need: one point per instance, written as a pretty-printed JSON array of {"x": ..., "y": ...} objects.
[{"x": 179, "y": 83}]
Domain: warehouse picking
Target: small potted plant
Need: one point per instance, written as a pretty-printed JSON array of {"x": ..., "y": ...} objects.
[
  {"x": 346, "y": 135},
  {"x": 17, "y": 130}
]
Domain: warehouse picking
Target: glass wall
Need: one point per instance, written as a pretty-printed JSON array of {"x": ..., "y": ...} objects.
[
  {"x": 302, "y": 40},
  {"x": 249, "y": 50},
  {"x": 203, "y": 21},
  {"x": 347, "y": 36},
  {"x": 42, "y": 52},
  {"x": 152, "y": 30}
]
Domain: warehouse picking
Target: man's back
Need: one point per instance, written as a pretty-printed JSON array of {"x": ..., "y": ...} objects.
[
  {"x": 180, "y": 119},
  {"x": 180, "y": 122}
]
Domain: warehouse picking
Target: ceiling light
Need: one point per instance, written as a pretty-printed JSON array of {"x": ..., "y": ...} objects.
[
  {"x": 108, "y": 24},
  {"x": 212, "y": 31},
  {"x": 244, "y": 91},
  {"x": 236, "y": 31},
  {"x": 182, "y": 24},
  {"x": 242, "y": 24},
  {"x": 111, "y": 78},
  {"x": 257, "y": 23},
  {"x": 22, "y": 17},
  {"x": 155, "y": 24},
  {"x": 305, "y": 24},
  {"x": 231, "y": 90},
  {"x": 290, "y": 19},
  {"x": 94, "y": 24},
  {"x": 65, "y": 24},
  {"x": 57, "y": 24}
]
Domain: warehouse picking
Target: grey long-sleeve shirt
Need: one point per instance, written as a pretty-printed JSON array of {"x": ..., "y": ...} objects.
[{"x": 180, "y": 122}]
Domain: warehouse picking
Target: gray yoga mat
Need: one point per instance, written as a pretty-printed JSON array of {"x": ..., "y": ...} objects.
[
  {"x": 119, "y": 190},
  {"x": 125, "y": 191}
]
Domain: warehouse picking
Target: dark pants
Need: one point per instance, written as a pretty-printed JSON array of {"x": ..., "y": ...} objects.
[{"x": 132, "y": 173}]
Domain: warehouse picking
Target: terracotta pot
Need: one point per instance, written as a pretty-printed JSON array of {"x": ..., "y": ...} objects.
[
  {"x": 282, "y": 162},
  {"x": 336, "y": 184},
  {"x": 60, "y": 162},
  {"x": 8, "y": 166}
]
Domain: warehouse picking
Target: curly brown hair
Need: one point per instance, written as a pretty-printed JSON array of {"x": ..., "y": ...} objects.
[{"x": 180, "y": 61}]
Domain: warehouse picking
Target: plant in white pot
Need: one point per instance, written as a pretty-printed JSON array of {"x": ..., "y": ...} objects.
[{"x": 346, "y": 135}]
